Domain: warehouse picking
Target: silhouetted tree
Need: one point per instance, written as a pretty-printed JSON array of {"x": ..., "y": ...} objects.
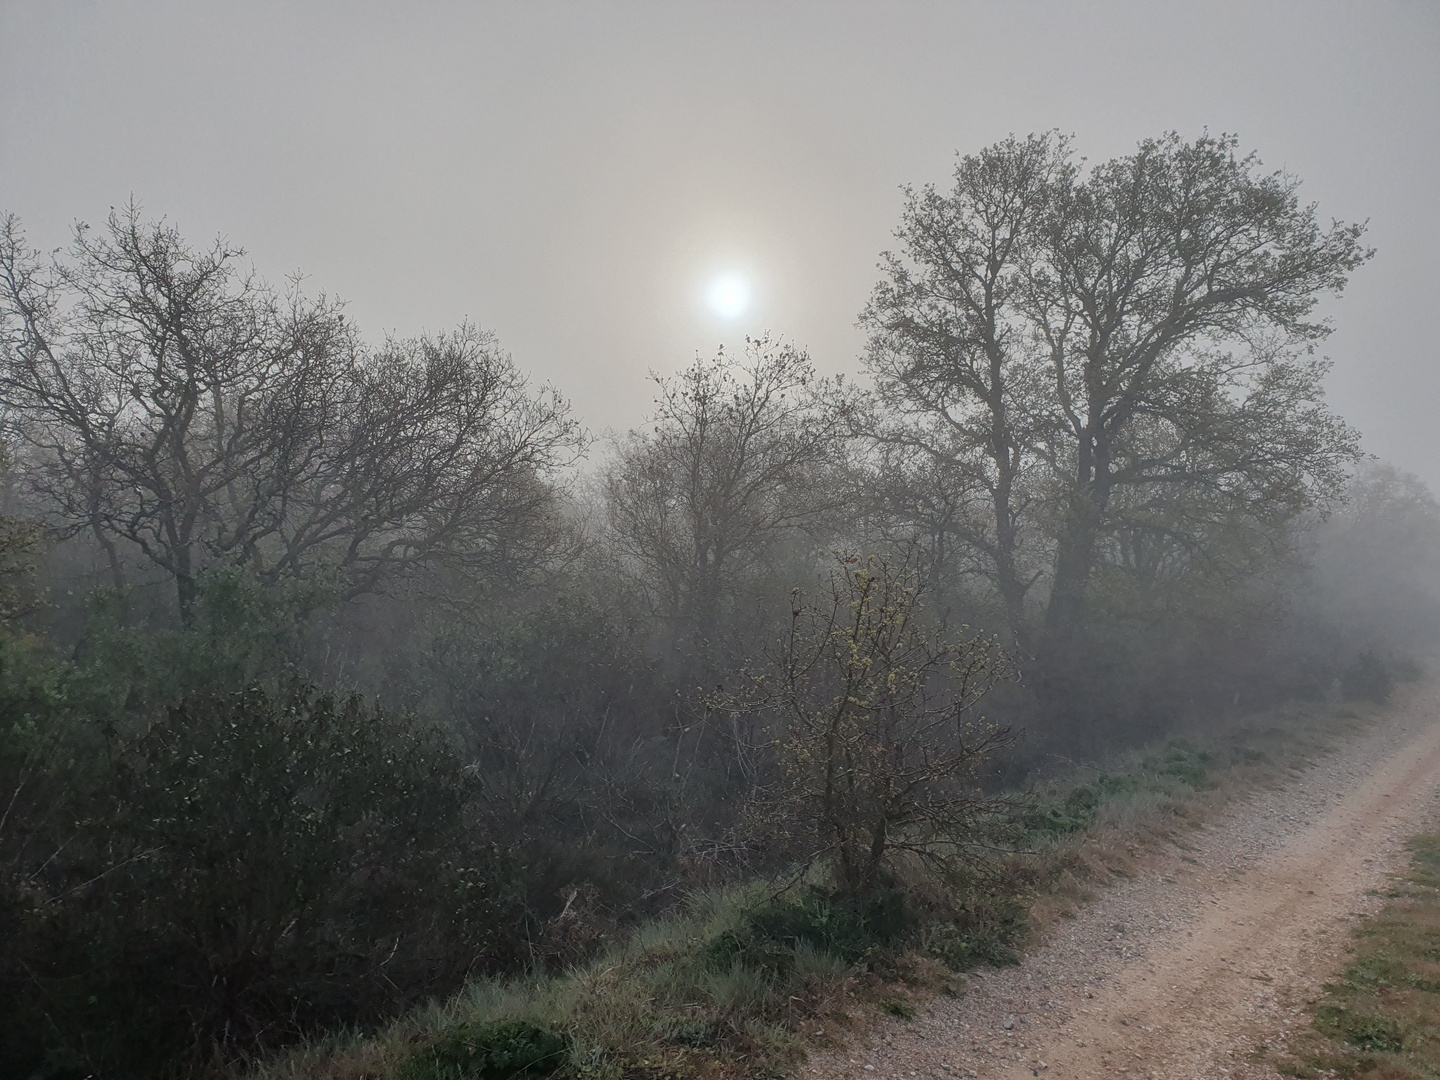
[
  {"x": 952, "y": 353},
  {"x": 1172, "y": 293},
  {"x": 739, "y": 454},
  {"x": 1126, "y": 332},
  {"x": 174, "y": 405}
]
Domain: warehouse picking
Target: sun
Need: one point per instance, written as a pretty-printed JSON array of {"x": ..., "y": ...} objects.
[{"x": 728, "y": 295}]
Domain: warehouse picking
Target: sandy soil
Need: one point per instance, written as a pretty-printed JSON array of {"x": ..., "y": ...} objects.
[{"x": 1188, "y": 971}]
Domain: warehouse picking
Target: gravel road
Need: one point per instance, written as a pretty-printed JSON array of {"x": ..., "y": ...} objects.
[{"x": 1183, "y": 973}]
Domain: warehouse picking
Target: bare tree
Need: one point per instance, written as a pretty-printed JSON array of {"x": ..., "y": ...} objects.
[
  {"x": 177, "y": 407},
  {"x": 738, "y": 455},
  {"x": 21, "y": 543},
  {"x": 873, "y": 714},
  {"x": 438, "y": 450}
]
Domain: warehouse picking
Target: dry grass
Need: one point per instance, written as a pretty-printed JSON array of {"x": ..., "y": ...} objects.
[{"x": 660, "y": 1006}]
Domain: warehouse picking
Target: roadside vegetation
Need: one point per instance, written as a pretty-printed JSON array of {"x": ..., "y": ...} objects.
[
  {"x": 1380, "y": 1020},
  {"x": 342, "y": 677},
  {"x": 742, "y": 982}
]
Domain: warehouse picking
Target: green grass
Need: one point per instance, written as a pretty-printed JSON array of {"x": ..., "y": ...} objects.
[
  {"x": 1380, "y": 1020},
  {"x": 1149, "y": 784},
  {"x": 723, "y": 987},
  {"x": 1177, "y": 771},
  {"x": 498, "y": 1051}
]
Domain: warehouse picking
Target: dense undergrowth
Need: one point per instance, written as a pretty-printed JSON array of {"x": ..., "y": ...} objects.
[
  {"x": 200, "y": 883},
  {"x": 738, "y": 982}
]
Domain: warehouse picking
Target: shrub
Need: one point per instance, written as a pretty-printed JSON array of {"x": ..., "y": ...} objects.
[
  {"x": 986, "y": 930},
  {"x": 839, "y": 923},
  {"x": 1184, "y": 763},
  {"x": 240, "y": 635},
  {"x": 743, "y": 946},
  {"x": 1055, "y": 818},
  {"x": 874, "y": 717},
  {"x": 1368, "y": 679},
  {"x": 505, "y": 1051},
  {"x": 253, "y": 869}
]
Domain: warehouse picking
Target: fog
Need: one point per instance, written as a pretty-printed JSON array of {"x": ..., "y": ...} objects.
[
  {"x": 483, "y": 486},
  {"x": 569, "y": 175}
]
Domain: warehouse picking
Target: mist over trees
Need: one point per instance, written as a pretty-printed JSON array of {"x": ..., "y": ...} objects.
[
  {"x": 1130, "y": 347},
  {"x": 325, "y": 682},
  {"x": 741, "y": 456},
  {"x": 172, "y": 403}
]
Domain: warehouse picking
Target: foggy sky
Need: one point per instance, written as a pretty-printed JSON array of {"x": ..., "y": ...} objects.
[{"x": 570, "y": 175}]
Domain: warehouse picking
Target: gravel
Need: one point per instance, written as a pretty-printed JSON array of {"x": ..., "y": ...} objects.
[{"x": 1007, "y": 1017}]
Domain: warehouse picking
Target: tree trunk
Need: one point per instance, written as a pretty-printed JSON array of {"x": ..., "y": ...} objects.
[
  {"x": 1075, "y": 554},
  {"x": 1007, "y": 577},
  {"x": 1003, "y": 452},
  {"x": 187, "y": 589},
  {"x": 879, "y": 836},
  {"x": 1073, "y": 560}
]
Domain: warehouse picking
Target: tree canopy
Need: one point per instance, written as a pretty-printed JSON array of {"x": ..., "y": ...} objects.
[
  {"x": 1121, "y": 347},
  {"x": 173, "y": 403}
]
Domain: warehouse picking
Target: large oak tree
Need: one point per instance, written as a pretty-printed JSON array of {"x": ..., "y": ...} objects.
[{"x": 1106, "y": 346}]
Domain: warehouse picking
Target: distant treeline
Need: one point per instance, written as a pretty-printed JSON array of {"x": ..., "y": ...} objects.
[{"x": 334, "y": 671}]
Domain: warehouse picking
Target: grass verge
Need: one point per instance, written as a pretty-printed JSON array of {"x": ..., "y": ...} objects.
[
  {"x": 1380, "y": 1020},
  {"x": 732, "y": 985},
  {"x": 1093, "y": 825}
]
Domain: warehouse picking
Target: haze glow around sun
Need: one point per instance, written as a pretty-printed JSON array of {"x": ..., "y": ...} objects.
[{"x": 729, "y": 295}]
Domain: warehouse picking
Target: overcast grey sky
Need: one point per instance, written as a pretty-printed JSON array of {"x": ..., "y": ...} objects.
[{"x": 571, "y": 175}]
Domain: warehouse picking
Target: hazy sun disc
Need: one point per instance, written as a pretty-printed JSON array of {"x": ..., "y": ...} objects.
[{"x": 728, "y": 296}]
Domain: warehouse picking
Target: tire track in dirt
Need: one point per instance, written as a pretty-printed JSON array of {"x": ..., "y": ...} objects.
[{"x": 1182, "y": 975}]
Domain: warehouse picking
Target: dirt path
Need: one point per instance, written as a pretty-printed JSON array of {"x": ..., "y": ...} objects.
[{"x": 1184, "y": 974}]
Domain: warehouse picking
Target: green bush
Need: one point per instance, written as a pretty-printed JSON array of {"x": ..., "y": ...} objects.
[
  {"x": 1112, "y": 786},
  {"x": 986, "y": 930},
  {"x": 744, "y": 946},
  {"x": 1184, "y": 763},
  {"x": 838, "y": 923},
  {"x": 241, "y": 634},
  {"x": 1054, "y": 818},
  {"x": 251, "y": 869},
  {"x": 505, "y": 1051}
]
